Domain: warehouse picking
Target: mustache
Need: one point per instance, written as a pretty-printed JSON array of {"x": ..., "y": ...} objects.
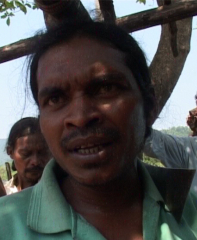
[
  {"x": 109, "y": 133},
  {"x": 34, "y": 169}
]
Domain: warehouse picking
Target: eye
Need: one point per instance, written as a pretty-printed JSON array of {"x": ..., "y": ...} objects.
[
  {"x": 107, "y": 88},
  {"x": 25, "y": 154},
  {"x": 55, "y": 100}
]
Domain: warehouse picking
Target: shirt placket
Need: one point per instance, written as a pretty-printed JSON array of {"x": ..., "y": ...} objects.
[{"x": 151, "y": 211}]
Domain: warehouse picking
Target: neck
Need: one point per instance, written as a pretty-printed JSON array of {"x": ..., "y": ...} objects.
[
  {"x": 115, "y": 209},
  {"x": 22, "y": 183},
  {"x": 119, "y": 194}
]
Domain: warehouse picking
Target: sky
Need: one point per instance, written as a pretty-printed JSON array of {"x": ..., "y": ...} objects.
[{"x": 16, "y": 101}]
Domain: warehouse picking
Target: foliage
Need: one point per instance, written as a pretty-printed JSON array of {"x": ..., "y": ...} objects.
[
  {"x": 152, "y": 161},
  {"x": 141, "y": 1},
  {"x": 3, "y": 172},
  {"x": 8, "y": 8},
  {"x": 178, "y": 131}
]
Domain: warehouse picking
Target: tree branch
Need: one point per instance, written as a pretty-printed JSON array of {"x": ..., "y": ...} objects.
[
  {"x": 58, "y": 11},
  {"x": 158, "y": 16},
  {"x": 18, "y": 49},
  {"x": 107, "y": 9},
  {"x": 131, "y": 23}
]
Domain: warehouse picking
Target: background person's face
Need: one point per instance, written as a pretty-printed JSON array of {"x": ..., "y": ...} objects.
[
  {"x": 30, "y": 156},
  {"x": 91, "y": 110}
]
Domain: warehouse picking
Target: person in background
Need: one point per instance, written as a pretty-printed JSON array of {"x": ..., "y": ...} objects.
[
  {"x": 28, "y": 150},
  {"x": 173, "y": 151},
  {"x": 192, "y": 121},
  {"x": 94, "y": 93}
]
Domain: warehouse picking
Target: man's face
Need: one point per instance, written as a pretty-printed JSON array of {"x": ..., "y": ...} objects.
[
  {"x": 30, "y": 156},
  {"x": 91, "y": 110}
]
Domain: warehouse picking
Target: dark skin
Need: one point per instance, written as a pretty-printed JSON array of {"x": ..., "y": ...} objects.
[
  {"x": 30, "y": 155},
  {"x": 102, "y": 183},
  {"x": 116, "y": 210}
]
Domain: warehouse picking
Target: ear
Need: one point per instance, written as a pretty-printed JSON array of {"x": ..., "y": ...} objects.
[{"x": 9, "y": 151}]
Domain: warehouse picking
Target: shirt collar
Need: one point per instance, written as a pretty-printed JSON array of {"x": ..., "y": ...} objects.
[
  {"x": 167, "y": 186},
  {"x": 50, "y": 213}
]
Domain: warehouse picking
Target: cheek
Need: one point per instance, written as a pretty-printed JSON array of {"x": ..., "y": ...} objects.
[
  {"x": 51, "y": 128},
  {"x": 130, "y": 119},
  {"x": 19, "y": 163},
  {"x": 123, "y": 112}
]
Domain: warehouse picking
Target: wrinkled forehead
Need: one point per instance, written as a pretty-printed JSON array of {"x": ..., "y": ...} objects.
[
  {"x": 32, "y": 141},
  {"x": 77, "y": 54}
]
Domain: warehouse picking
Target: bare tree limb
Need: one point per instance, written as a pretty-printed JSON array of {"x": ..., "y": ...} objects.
[
  {"x": 172, "y": 28},
  {"x": 157, "y": 16},
  {"x": 58, "y": 11},
  {"x": 107, "y": 9},
  {"x": 18, "y": 49},
  {"x": 131, "y": 23}
]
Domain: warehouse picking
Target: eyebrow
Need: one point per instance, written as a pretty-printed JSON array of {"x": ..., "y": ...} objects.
[
  {"x": 47, "y": 91},
  {"x": 116, "y": 77},
  {"x": 26, "y": 149}
]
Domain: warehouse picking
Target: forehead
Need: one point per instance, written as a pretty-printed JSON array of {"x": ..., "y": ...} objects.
[
  {"x": 30, "y": 142},
  {"x": 80, "y": 55}
]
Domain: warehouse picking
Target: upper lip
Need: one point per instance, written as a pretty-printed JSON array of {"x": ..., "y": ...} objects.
[{"x": 88, "y": 142}]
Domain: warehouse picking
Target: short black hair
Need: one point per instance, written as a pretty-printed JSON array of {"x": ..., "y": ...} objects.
[
  {"x": 107, "y": 33},
  {"x": 23, "y": 127}
]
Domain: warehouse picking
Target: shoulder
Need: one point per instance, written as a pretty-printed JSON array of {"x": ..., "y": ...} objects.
[
  {"x": 14, "y": 203},
  {"x": 13, "y": 217},
  {"x": 193, "y": 140}
]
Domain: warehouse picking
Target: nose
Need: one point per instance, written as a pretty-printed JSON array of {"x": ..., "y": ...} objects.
[
  {"x": 82, "y": 112},
  {"x": 34, "y": 160}
]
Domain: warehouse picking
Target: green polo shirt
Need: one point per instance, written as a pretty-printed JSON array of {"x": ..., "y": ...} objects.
[{"x": 41, "y": 212}]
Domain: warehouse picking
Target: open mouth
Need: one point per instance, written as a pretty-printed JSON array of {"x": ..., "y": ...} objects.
[{"x": 90, "y": 149}]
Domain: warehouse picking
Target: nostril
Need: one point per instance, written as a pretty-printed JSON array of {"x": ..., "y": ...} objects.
[{"x": 93, "y": 122}]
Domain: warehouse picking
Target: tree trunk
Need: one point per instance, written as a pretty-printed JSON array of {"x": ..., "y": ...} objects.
[{"x": 166, "y": 66}]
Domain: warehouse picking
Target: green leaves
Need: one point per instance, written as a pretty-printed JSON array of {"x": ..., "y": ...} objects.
[
  {"x": 8, "y": 21},
  {"x": 141, "y": 1},
  {"x": 8, "y": 8},
  {"x": 21, "y": 6}
]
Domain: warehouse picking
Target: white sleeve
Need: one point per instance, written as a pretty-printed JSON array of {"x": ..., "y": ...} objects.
[{"x": 172, "y": 151}]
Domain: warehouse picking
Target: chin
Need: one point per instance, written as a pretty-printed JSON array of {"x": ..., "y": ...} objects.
[
  {"x": 33, "y": 177},
  {"x": 97, "y": 178}
]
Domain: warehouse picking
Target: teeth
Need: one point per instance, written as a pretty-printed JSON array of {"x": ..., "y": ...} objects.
[{"x": 89, "y": 150}]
